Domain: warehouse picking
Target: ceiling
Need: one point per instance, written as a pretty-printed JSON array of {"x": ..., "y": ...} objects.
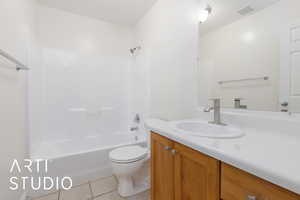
[
  {"x": 226, "y": 11},
  {"x": 125, "y": 12}
]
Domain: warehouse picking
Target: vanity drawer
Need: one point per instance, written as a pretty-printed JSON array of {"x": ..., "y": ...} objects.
[{"x": 239, "y": 185}]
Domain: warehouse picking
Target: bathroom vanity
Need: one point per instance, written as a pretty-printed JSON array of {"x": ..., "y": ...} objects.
[{"x": 180, "y": 170}]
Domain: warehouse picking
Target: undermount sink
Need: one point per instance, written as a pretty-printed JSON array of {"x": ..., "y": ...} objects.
[{"x": 201, "y": 128}]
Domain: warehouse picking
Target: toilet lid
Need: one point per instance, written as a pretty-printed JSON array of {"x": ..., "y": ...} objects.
[{"x": 128, "y": 154}]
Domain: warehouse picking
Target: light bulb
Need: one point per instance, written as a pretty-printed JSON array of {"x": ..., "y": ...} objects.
[{"x": 203, "y": 15}]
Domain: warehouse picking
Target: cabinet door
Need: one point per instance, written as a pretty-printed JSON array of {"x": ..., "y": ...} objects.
[
  {"x": 239, "y": 185},
  {"x": 196, "y": 175},
  {"x": 162, "y": 168}
]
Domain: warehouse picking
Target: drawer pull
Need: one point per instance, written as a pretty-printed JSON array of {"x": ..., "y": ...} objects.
[
  {"x": 167, "y": 148},
  {"x": 249, "y": 197},
  {"x": 174, "y": 152}
]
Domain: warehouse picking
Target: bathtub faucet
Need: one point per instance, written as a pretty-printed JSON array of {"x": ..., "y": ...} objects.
[{"x": 136, "y": 128}]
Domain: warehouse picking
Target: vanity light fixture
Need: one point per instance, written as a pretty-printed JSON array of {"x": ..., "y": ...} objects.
[{"x": 203, "y": 14}]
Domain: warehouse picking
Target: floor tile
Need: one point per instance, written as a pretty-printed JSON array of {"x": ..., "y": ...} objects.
[
  {"x": 110, "y": 196},
  {"x": 142, "y": 196},
  {"x": 82, "y": 192},
  {"x": 53, "y": 196},
  {"x": 104, "y": 185}
]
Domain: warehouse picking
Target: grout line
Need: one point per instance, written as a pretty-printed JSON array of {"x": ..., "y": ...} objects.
[
  {"x": 92, "y": 181},
  {"x": 59, "y": 193},
  {"x": 75, "y": 186},
  {"x": 91, "y": 191},
  {"x": 90, "y": 188},
  {"x": 42, "y": 196},
  {"x": 105, "y": 193},
  {"x": 117, "y": 181}
]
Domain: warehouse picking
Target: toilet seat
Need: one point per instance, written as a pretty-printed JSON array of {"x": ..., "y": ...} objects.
[{"x": 128, "y": 154}]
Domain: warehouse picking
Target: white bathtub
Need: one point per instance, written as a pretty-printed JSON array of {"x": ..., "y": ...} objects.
[{"x": 82, "y": 159}]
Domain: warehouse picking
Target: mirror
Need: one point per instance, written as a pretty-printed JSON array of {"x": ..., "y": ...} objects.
[{"x": 249, "y": 55}]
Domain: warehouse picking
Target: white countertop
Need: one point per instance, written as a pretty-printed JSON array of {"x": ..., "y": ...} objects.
[{"x": 274, "y": 157}]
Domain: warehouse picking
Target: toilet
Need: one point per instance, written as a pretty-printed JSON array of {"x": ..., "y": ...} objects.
[{"x": 130, "y": 165}]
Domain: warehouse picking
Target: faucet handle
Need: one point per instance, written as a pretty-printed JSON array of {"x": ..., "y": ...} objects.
[
  {"x": 238, "y": 99},
  {"x": 208, "y": 109},
  {"x": 237, "y": 104},
  {"x": 285, "y": 104}
]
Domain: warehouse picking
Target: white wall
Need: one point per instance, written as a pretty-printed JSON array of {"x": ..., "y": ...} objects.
[
  {"x": 17, "y": 38},
  {"x": 246, "y": 48},
  {"x": 82, "y": 87},
  {"x": 165, "y": 68}
]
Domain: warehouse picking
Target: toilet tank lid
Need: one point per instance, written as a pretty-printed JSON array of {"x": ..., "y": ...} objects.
[{"x": 128, "y": 153}]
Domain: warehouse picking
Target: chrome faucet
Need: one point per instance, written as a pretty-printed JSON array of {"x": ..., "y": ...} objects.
[
  {"x": 217, "y": 112},
  {"x": 237, "y": 104}
]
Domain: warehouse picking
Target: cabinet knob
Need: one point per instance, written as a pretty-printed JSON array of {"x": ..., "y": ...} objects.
[
  {"x": 250, "y": 197},
  {"x": 174, "y": 151},
  {"x": 167, "y": 148}
]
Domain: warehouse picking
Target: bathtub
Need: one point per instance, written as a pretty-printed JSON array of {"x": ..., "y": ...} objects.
[{"x": 82, "y": 159}]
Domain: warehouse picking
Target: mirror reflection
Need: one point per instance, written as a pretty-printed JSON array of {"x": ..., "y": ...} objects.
[{"x": 250, "y": 55}]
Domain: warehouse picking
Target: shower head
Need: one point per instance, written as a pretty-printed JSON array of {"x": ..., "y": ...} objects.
[{"x": 132, "y": 51}]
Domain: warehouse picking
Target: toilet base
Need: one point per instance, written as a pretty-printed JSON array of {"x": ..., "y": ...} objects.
[{"x": 126, "y": 188}]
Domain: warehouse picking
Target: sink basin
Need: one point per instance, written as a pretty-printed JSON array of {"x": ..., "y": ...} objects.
[{"x": 204, "y": 129}]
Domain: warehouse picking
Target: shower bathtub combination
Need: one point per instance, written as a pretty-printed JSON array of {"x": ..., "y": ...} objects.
[{"x": 82, "y": 159}]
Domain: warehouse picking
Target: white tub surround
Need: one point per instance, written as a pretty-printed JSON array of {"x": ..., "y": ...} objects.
[
  {"x": 270, "y": 149},
  {"x": 81, "y": 87}
]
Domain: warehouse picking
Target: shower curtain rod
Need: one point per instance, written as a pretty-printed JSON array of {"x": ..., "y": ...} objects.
[{"x": 19, "y": 65}]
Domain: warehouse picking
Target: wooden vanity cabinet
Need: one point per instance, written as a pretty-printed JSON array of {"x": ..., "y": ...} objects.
[
  {"x": 162, "y": 168},
  {"x": 239, "y": 185},
  {"x": 180, "y": 173}
]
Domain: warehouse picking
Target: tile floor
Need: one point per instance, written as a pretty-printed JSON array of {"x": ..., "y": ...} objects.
[{"x": 101, "y": 189}]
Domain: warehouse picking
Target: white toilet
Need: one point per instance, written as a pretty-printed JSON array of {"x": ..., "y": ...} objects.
[{"x": 131, "y": 167}]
